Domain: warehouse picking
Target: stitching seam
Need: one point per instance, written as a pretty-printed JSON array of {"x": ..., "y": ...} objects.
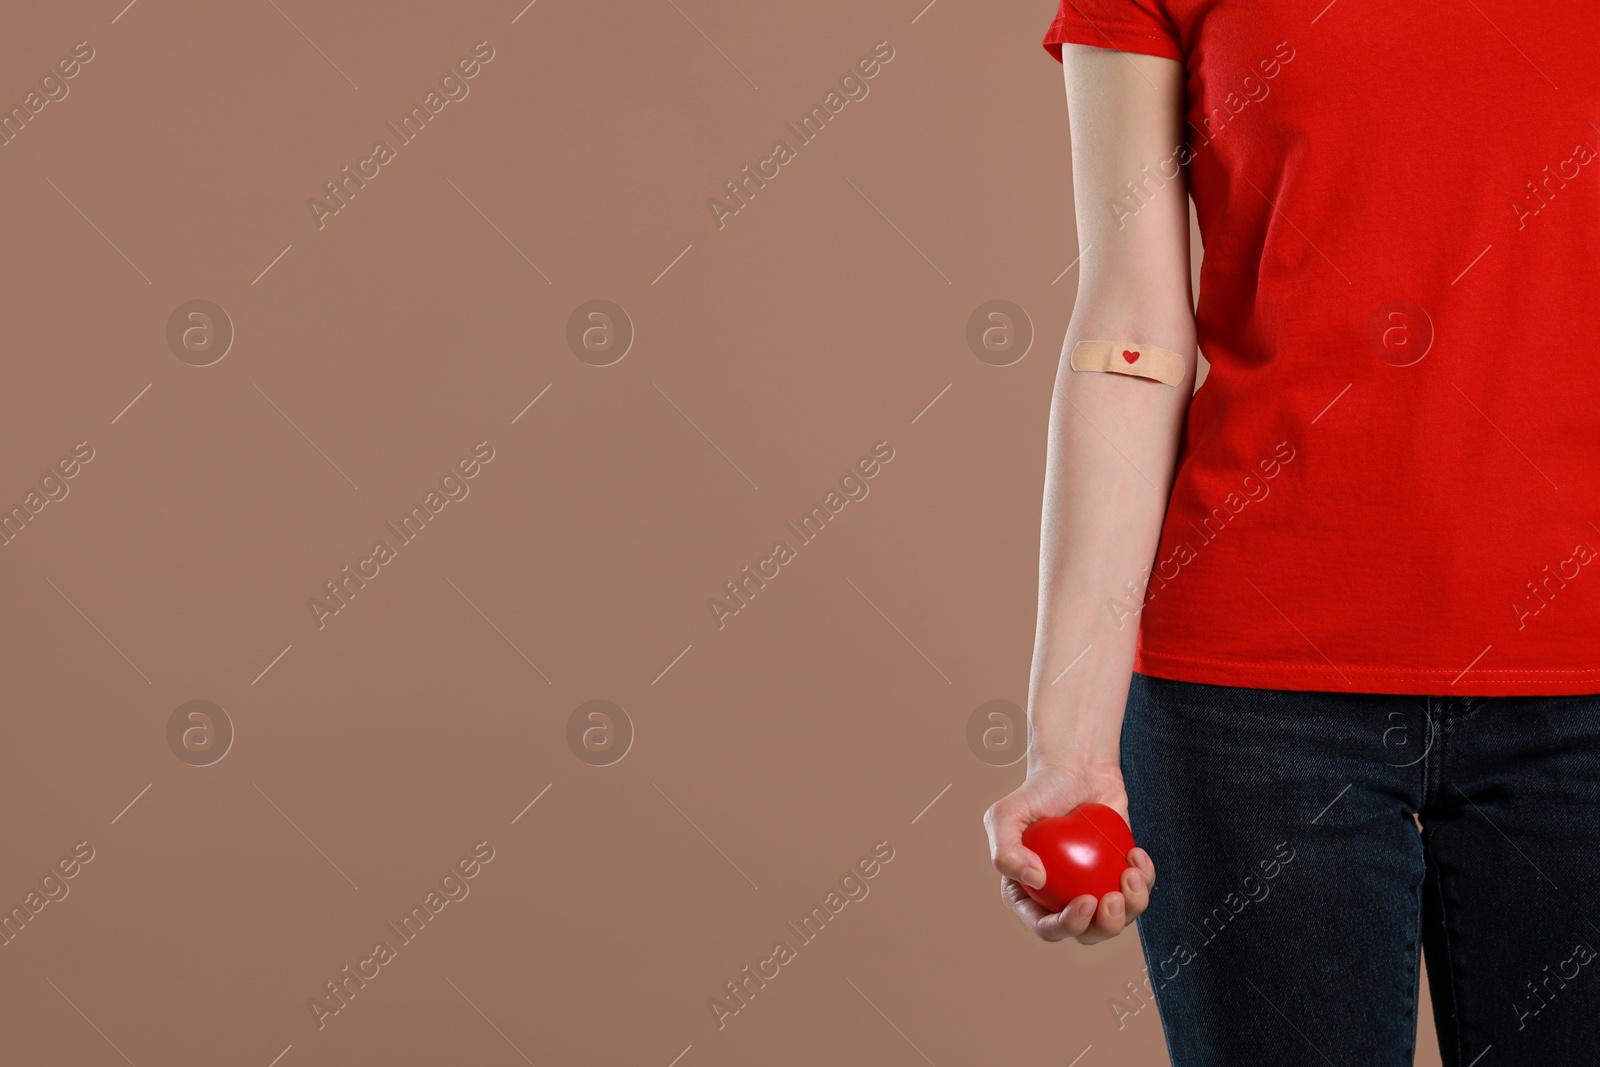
[{"x": 1399, "y": 672}]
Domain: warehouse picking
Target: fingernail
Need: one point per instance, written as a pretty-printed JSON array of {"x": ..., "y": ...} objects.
[
  {"x": 1114, "y": 907},
  {"x": 1136, "y": 882},
  {"x": 1033, "y": 877}
]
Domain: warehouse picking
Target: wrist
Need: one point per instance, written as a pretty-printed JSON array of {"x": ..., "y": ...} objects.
[{"x": 1088, "y": 747}]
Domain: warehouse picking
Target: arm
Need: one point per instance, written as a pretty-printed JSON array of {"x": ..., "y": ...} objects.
[{"x": 1113, "y": 442}]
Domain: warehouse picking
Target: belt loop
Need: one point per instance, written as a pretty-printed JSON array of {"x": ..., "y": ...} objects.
[{"x": 1433, "y": 712}]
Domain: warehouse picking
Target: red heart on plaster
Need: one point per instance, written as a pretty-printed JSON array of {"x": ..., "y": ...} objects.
[{"x": 1130, "y": 356}]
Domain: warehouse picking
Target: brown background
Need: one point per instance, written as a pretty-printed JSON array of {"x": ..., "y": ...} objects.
[{"x": 429, "y": 713}]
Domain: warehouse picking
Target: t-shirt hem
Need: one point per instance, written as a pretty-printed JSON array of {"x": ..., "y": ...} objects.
[
  {"x": 1121, "y": 37},
  {"x": 1304, "y": 677}
]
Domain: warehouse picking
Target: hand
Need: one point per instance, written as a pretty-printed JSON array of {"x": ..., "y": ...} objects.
[{"x": 1051, "y": 791}]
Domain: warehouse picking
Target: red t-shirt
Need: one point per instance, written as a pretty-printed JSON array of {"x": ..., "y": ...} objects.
[{"x": 1390, "y": 479}]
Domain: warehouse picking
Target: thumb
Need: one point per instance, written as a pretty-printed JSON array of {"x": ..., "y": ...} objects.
[{"x": 1005, "y": 822}]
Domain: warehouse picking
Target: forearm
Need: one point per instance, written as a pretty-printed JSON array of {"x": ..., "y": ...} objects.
[{"x": 1113, "y": 440}]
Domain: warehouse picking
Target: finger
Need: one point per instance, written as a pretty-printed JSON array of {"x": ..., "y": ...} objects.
[
  {"x": 1005, "y": 822},
  {"x": 1055, "y": 926},
  {"x": 1077, "y": 916},
  {"x": 1023, "y": 865},
  {"x": 1040, "y": 920},
  {"x": 1147, "y": 866},
  {"x": 1109, "y": 919},
  {"x": 1136, "y": 894},
  {"x": 1030, "y": 911},
  {"x": 1045, "y": 924}
]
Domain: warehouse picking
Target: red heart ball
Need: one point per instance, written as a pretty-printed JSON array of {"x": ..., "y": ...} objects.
[{"x": 1083, "y": 851}]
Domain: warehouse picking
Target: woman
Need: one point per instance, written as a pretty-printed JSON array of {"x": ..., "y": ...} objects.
[{"x": 1326, "y": 633}]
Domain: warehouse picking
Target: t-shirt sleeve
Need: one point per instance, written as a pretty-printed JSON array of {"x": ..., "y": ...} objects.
[{"x": 1125, "y": 25}]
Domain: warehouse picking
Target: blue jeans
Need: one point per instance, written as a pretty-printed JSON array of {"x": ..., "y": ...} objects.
[{"x": 1294, "y": 891}]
